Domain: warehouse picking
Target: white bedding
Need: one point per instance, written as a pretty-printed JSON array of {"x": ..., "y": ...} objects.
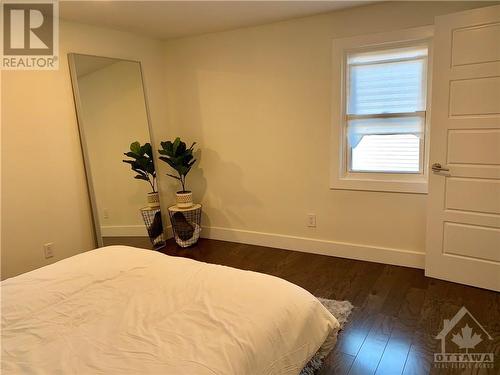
[{"x": 122, "y": 310}]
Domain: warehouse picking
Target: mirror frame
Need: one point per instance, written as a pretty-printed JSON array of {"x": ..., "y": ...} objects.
[{"x": 83, "y": 143}]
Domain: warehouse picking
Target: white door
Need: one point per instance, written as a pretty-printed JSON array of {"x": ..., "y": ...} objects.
[{"x": 463, "y": 223}]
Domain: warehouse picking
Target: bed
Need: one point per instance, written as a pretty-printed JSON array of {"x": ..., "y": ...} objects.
[{"x": 123, "y": 310}]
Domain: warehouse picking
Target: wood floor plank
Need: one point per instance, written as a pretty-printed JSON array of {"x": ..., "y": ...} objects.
[
  {"x": 373, "y": 347},
  {"x": 417, "y": 362},
  {"x": 337, "y": 363},
  {"x": 398, "y": 311},
  {"x": 395, "y": 354},
  {"x": 436, "y": 307},
  {"x": 364, "y": 316},
  {"x": 136, "y": 241}
]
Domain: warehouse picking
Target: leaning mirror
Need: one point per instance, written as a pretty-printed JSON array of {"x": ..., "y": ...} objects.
[{"x": 113, "y": 120}]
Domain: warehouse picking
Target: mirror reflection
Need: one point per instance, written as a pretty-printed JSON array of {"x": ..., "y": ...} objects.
[{"x": 114, "y": 129}]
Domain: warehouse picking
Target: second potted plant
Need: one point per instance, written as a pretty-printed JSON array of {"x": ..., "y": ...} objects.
[
  {"x": 181, "y": 159},
  {"x": 141, "y": 162}
]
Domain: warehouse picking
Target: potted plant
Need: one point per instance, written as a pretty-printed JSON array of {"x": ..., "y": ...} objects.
[
  {"x": 141, "y": 162},
  {"x": 181, "y": 159}
]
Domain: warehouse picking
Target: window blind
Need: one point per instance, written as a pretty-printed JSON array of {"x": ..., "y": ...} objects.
[{"x": 386, "y": 106}]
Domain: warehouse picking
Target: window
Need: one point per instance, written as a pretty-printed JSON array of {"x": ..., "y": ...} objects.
[
  {"x": 381, "y": 128},
  {"x": 386, "y": 109}
]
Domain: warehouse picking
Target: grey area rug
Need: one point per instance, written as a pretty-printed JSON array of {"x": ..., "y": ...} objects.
[{"x": 340, "y": 310}]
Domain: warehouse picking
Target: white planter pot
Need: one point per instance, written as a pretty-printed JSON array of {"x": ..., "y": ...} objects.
[
  {"x": 184, "y": 200},
  {"x": 153, "y": 200}
]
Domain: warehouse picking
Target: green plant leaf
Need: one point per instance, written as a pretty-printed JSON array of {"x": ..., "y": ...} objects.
[
  {"x": 175, "y": 145},
  {"x": 140, "y": 171},
  {"x": 177, "y": 156},
  {"x": 147, "y": 150},
  {"x": 135, "y": 147},
  {"x": 181, "y": 149},
  {"x": 167, "y": 148},
  {"x": 132, "y": 155},
  {"x": 169, "y": 162},
  {"x": 182, "y": 169},
  {"x": 141, "y": 161}
]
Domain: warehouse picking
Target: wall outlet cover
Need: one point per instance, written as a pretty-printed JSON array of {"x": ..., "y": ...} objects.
[
  {"x": 311, "y": 220},
  {"x": 48, "y": 250}
]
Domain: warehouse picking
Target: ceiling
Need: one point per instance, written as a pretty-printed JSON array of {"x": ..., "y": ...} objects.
[{"x": 174, "y": 19}]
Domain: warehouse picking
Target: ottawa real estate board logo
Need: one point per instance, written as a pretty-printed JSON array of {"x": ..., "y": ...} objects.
[
  {"x": 30, "y": 35},
  {"x": 464, "y": 343}
]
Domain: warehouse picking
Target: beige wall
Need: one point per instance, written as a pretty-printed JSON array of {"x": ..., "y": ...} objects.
[
  {"x": 44, "y": 194},
  {"x": 258, "y": 102}
]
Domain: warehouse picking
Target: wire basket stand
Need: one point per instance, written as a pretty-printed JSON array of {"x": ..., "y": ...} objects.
[
  {"x": 154, "y": 225},
  {"x": 186, "y": 224}
]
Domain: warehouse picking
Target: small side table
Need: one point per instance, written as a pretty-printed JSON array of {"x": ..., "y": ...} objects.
[
  {"x": 186, "y": 224},
  {"x": 154, "y": 225}
]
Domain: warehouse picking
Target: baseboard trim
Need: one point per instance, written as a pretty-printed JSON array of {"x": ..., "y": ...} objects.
[
  {"x": 124, "y": 231},
  {"x": 376, "y": 254}
]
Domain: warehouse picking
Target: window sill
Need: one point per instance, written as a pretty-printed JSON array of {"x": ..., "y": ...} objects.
[{"x": 394, "y": 186}]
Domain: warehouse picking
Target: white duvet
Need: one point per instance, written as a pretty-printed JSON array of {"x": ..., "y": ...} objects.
[{"x": 122, "y": 310}]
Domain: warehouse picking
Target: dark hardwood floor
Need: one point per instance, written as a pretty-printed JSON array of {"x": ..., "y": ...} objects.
[
  {"x": 398, "y": 311},
  {"x": 135, "y": 241}
]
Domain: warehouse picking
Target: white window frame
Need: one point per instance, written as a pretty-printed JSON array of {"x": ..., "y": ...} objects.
[{"x": 341, "y": 177}]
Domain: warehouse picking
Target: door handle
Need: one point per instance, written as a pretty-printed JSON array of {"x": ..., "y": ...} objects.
[{"x": 436, "y": 167}]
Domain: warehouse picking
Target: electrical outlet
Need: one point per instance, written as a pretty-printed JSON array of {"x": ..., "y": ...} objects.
[
  {"x": 48, "y": 250},
  {"x": 311, "y": 220},
  {"x": 105, "y": 213}
]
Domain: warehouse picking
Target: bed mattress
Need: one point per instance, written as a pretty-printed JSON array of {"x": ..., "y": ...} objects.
[{"x": 123, "y": 310}]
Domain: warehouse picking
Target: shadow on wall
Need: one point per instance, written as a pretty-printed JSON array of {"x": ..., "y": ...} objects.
[
  {"x": 216, "y": 183},
  {"x": 197, "y": 182},
  {"x": 219, "y": 186}
]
